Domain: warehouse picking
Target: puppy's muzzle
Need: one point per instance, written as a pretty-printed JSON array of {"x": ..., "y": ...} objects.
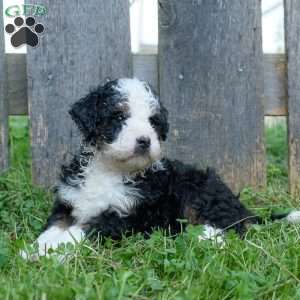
[{"x": 143, "y": 144}]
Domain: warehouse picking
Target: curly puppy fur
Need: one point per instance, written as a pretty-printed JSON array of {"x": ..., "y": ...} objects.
[{"x": 118, "y": 184}]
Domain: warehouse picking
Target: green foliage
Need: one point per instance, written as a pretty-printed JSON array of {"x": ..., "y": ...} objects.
[
  {"x": 265, "y": 265},
  {"x": 277, "y": 149}
]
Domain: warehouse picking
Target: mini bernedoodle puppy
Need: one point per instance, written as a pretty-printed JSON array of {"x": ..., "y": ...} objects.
[{"x": 120, "y": 185}]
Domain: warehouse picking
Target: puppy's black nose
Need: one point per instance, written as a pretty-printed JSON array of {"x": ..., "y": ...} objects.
[{"x": 142, "y": 144}]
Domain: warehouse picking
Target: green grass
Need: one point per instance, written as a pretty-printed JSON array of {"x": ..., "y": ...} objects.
[{"x": 265, "y": 265}]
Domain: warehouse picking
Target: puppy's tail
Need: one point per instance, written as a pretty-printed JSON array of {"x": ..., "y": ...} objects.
[{"x": 291, "y": 217}]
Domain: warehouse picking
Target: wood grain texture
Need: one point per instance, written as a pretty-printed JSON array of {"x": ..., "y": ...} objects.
[
  {"x": 275, "y": 85},
  {"x": 145, "y": 67},
  {"x": 211, "y": 80},
  {"x": 292, "y": 29},
  {"x": 17, "y": 84},
  {"x": 84, "y": 43},
  {"x": 3, "y": 103}
]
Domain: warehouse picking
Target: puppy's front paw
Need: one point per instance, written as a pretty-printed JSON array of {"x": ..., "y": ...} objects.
[
  {"x": 50, "y": 240},
  {"x": 34, "y": 256},
  {"x": 34, "y": 251}
]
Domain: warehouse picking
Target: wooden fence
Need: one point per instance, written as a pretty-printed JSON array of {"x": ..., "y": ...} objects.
[{"x": 210, "y": 72}]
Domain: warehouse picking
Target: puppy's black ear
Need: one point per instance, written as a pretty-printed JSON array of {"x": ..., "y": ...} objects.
[
  {"x": 85, "y": 113},
  {"x": 160, "y": 122},
  {"x": 164, "y": 124}
]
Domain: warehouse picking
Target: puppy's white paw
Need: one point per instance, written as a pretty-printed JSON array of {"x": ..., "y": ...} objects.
[
  {"x": 212, "y": 234},
  {"x": 50, "y": 240}
]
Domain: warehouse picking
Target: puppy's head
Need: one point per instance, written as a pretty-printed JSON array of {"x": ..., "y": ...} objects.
[{"x": 125, "y": 120}]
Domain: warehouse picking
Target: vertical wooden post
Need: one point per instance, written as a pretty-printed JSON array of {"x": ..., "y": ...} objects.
[
  {"x": 84, "y": 43},
  {"x": 210, "y": 70},
  {"x": 292, "y": 34},
  {"x": 3, "y": 101}
]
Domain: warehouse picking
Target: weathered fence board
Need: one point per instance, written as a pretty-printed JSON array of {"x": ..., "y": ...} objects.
[
  {"x": 210, "y": 70},
  {"x": 3, "y": 102},
  {"x": 84, "y": 43},
  {"x": 292, "y": 28},
  {"x": 210, "y": 76},
  {"x": 275, "y": 85},
  {"x": 145, "y": 67}
]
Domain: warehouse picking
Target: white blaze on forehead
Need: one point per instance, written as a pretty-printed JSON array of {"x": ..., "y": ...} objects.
[
  {"x": 142, "y": 104},
  {"x": 141, "y": 100}
]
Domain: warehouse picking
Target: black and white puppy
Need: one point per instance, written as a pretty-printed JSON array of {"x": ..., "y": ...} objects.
[{"x": 119, "y": 184}]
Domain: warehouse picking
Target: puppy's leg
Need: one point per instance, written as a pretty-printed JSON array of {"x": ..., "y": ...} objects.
[
  {"x": 110, "y": 224},
  {"x": 61, "y": 228},
  {"x": 209, "y": 232},
  {"x": 208, "y": 200}
]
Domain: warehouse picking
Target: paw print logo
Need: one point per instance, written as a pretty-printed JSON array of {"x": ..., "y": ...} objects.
[{"x": 24, "y": 32}]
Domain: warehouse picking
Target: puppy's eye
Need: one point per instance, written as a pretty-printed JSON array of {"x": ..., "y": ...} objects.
[
  {"x": 119, "y": 115},
  {"x": 154, "y": 120}
]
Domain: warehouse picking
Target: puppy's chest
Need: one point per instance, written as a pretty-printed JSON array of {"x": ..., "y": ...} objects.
[{"x": 98, "y": 192}]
